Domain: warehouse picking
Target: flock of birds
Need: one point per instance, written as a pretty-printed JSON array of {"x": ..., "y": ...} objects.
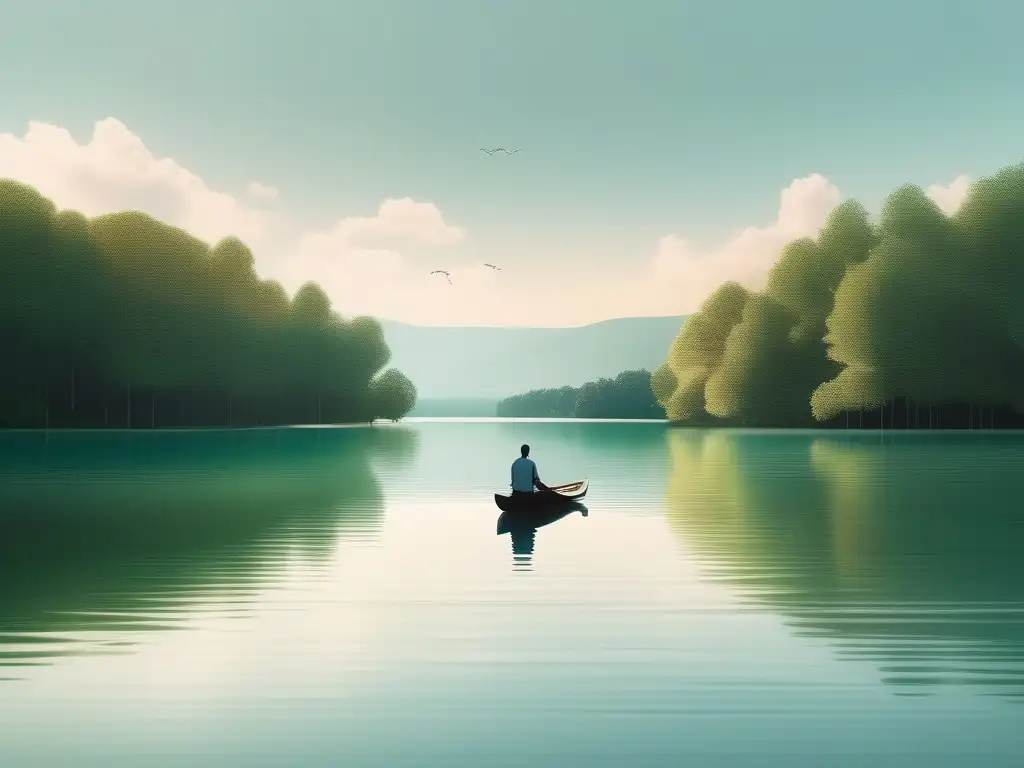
[{"x": 444, "y": 272}]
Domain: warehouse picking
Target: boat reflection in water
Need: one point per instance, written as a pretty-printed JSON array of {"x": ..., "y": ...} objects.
[{"x": 522, "y": 527}]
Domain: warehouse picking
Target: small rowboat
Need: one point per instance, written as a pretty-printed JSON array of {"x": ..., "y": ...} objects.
[{"x": 556, "y": 495}]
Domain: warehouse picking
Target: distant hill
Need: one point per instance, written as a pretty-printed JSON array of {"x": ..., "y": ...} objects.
[{"x": 464, "y": 363}]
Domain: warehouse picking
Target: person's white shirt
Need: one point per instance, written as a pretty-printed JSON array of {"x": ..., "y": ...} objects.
[{"x": 524, "y": 474}]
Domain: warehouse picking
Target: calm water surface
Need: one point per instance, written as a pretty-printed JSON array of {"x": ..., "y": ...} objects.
[{"x": 341, "y": 597}]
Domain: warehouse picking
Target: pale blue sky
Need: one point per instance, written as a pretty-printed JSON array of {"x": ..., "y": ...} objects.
[{"x": 637, "y": 119}]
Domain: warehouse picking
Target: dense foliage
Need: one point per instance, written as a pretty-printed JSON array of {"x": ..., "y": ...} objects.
[
  {"x": 627, "y": 396},
  {"x": 916, "y": 320},
  {"x": 122, "y": 320}
]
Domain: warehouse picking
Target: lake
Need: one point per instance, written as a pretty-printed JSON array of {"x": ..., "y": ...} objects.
[{"x": 341, "y": 597}]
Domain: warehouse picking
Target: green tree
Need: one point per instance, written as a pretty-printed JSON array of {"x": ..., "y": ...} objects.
[
  {"x": 122, "y": 320},
  {"x": 698, "y": 349},
  {"x": 918, "y": 308},
  {"x": 392, "y": 395}
]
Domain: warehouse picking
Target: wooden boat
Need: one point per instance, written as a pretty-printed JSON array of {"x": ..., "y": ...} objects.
[{"x": 555, "y": 496}]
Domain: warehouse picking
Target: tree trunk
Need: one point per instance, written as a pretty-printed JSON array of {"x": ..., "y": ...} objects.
[
  {"x": 318, "y": 409},
  {"x": 152, "y": 410},
  {"x": 231, "y": 414}
]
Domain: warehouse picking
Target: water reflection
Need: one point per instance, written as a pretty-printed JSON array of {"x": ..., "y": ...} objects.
[
  {"x": 594, "y": 443},
  {"x": 104, "y": 536},
  {"x": 564, "y": 452},
  {"x": 904, "y": 551},
  {"x": 522, "y": 529}
]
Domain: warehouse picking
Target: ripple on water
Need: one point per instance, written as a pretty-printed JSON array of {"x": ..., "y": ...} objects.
[{"x": 806, "y": 595}]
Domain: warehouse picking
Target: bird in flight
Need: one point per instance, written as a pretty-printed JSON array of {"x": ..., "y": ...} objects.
[
  {"x": 501, "y": 149},
  {"x": 510, "y": 152},
  {"x": 442, "y": 272},
  {"x": 493, "y": 267},
  {"x": 489, "y": 151}
]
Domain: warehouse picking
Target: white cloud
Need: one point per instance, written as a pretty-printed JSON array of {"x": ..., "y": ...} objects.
[
  {"x": 261, "y": 191},
  {"x": 396, "y": 219},
  {"x": 950, "y": 196},
  {"x": 683, "y": 276},
  {"x": 361, "y": 277},
  {"x": 115, "y": 171},
  {"x": 357, "y": 262}
]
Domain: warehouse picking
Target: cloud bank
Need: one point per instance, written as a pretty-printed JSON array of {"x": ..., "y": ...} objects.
[
  {"x": 115, "y": 171},
  {"x": 379, "y": 263},
  {"x": 261, "y": 191}
]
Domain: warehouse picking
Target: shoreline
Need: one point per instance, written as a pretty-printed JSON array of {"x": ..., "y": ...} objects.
[{"x": 146, "y": 430}]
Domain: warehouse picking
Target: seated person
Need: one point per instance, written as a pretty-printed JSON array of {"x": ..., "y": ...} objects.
[{"x": 524, "y": 474}]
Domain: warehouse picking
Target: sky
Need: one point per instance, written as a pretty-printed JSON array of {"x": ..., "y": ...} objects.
[{"x": 665, "y": 146}]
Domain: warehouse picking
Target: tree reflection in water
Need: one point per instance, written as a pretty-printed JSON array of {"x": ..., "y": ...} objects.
[
  {"x": 903, "y": 550},
  {"x": 106, "y": 535}
]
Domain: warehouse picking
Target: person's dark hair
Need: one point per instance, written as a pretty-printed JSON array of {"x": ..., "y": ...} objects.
[{"x": 525, "y": 450}]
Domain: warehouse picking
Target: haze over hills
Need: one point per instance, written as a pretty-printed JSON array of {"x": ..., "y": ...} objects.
[{"x": 490, "y": 363}]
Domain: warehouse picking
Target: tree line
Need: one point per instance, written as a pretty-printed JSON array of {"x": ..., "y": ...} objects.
[
  {"x": 124, "y": 321},
  {"x": 913, "y": 321},
  {"x": 628, "y": 396}
]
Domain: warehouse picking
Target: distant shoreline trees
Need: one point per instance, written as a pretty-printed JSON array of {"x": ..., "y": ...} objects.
[
  {"x": 916, "y": 321},
  {"x": 628, "y": 396},
  {"x": 123, "y": 321}
]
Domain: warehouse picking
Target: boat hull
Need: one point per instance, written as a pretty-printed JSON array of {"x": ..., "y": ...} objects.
[{"x": 542, "y": 500}]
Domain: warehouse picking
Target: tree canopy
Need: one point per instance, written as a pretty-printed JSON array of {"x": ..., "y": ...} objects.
[
  {"x": 122, "y": 320},
  {"x": 915, "y": 309},
  {"x": 628, "y": 396}
]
